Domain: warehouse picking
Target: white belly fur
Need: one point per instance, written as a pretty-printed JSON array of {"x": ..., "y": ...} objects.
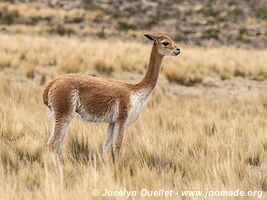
[
  {"x": 138, "y": 101},
  {"x": 108, "y": 117}
]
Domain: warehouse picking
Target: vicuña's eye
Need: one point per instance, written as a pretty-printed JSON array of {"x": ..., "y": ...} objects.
[{"x": 165, "y": 43}]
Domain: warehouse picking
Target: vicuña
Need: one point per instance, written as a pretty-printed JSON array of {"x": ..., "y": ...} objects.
[{"x": 100, "y": 100}]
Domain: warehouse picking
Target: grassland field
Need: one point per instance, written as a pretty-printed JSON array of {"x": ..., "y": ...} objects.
[{"x": 205, "y": 126}]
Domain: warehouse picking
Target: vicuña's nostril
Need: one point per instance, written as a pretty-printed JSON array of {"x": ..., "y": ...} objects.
[{"x": 178, "y": 49}]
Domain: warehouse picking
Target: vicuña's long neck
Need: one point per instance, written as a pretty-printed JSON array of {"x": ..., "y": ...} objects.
[{"x": 151, "y": 77}]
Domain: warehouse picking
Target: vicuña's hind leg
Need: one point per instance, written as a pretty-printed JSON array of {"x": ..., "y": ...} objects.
[
  {"x": 56, "y": 138},
  {"x": 108, "y": 141},
  {"x": 63, "y": 104}
]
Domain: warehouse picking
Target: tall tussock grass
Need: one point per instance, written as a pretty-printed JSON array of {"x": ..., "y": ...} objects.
[
  {"x": 49, "y": 56},
  {"x": 179, "y": 144}
]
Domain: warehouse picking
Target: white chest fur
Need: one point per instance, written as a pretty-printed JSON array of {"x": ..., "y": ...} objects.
[{"x": 138, "y": 101}]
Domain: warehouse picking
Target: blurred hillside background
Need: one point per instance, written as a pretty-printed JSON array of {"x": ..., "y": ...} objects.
[{"x": 235, "y": 22}]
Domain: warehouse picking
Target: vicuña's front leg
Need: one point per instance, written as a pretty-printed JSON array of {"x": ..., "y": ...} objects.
[
  {"x": 108, "y": 142},
  {"x": 117, "y": 139}
]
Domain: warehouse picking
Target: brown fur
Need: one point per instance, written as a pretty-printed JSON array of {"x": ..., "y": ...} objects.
[
  {"x": 152, "y": 74},
  {"x": 100, "y": 99},
  {"x": 96, "y": 94},
  {"x": 46, "y": 90}
]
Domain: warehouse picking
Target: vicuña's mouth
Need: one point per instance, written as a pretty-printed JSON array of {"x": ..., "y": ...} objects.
[{"x": 177, "y": 53}]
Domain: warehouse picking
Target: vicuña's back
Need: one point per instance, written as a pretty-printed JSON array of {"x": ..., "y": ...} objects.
[{"x": 102, "y": 100}]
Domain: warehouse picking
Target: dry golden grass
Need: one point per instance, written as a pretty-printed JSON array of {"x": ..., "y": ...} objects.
[
  {"x": 179, "y": 142},
  {"x": 57, "y": 55}
]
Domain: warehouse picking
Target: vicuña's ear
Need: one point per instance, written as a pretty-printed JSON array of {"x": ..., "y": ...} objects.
[{"x": 151, "y": 37}]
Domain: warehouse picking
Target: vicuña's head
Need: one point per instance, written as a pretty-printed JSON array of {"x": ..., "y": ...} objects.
[{"x": 165, "y": 45}]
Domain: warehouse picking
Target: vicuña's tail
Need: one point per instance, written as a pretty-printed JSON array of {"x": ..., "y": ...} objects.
[{"x": 46, "y": 91}]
